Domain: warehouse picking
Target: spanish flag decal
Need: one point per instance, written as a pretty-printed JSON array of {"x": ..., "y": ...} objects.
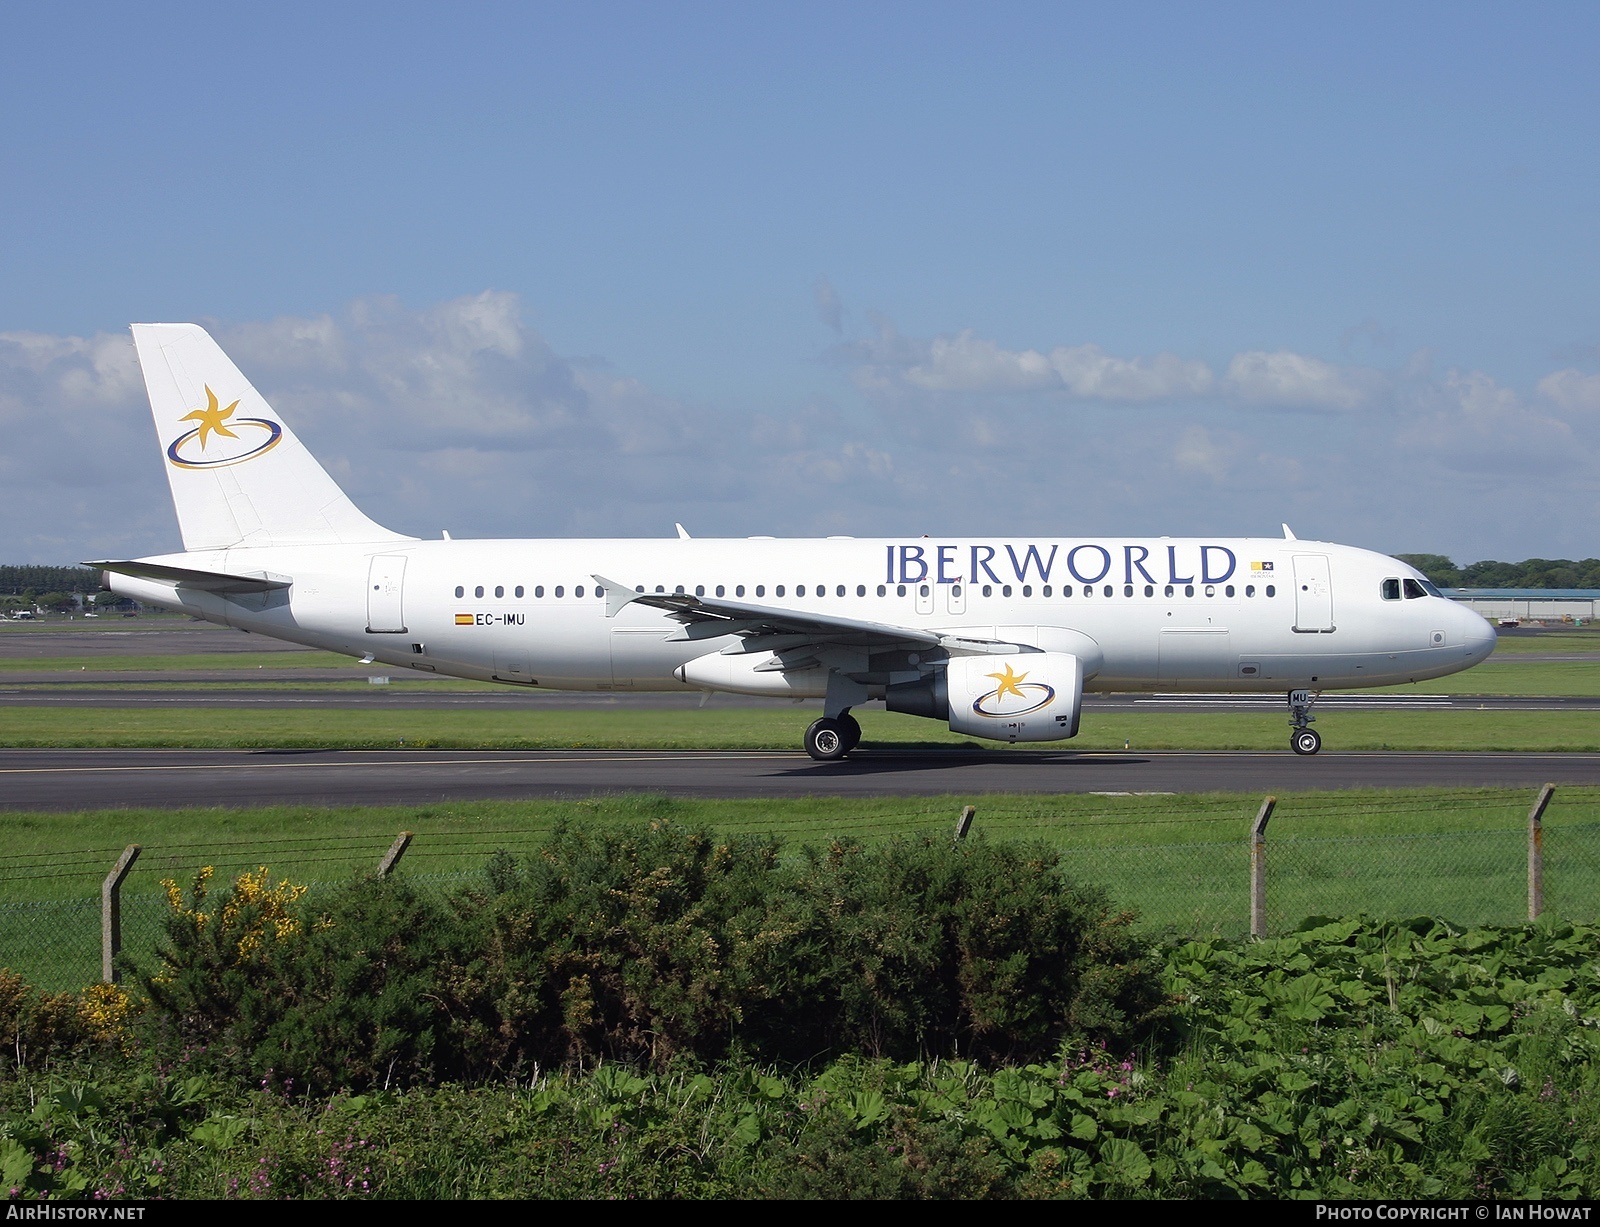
[{"x": 463, "y": 619}]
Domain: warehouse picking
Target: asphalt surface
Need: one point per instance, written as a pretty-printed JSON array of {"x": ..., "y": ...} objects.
[{"x": 109, "y": 779}]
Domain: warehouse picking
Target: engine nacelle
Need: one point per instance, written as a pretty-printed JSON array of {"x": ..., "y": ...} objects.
[{"x": 1020, "y": 696}]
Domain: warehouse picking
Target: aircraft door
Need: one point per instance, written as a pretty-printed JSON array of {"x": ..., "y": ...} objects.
[
  {"x": 1313, "y": 593},
  {"x": 955, "y": 596},
  {"x": 385, "y": 589},
  {"x": 924, "y": 598}
]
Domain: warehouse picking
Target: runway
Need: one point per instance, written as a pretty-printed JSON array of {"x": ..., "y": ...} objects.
[{"x": 108, "y": 779}]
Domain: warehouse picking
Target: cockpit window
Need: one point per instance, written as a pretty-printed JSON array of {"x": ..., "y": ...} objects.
[
  {"x": 1413, "y": 589},
  {"x": 1391, "y": 590},
  {"x": 1432, "y": 589}
]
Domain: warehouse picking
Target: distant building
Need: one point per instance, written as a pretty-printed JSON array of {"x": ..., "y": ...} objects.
[{"x": 1530, "y": 604}]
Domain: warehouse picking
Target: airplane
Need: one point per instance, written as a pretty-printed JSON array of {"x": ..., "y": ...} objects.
[{"x": 998, "y": 637}]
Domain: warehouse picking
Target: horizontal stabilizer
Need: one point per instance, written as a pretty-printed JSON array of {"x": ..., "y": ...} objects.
[{"x": 205, "y": 581}]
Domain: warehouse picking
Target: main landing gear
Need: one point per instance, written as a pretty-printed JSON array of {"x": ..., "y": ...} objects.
[
  {"x": 1304, "y": 739},
  {"x": 831, "y": 738}
]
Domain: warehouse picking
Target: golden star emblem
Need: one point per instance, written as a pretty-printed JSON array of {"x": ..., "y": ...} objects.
[
  {"x": 1010, "y": 683},
  {"x": 211, "y": 418}
]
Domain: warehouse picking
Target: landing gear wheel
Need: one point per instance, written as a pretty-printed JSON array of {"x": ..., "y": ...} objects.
[
  {"x": 1306, "y": 741},
  {"x": 827, "y": 741},
  {"x": 851, "y": 730}
]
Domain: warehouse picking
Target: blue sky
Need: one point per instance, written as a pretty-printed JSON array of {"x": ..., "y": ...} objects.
[{"x": 1030, "y": 268}]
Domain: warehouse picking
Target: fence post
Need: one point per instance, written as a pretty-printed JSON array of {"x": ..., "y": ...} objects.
[
  {"x": 391, "y": 858},
  {"x": 111, "y": 913},
  {"x": 1536, "y": 852},
  {"x": 1258, "y": 868},
  {"x": 964, "y": 823}
]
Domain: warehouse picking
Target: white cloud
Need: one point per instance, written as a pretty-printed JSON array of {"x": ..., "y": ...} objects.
[
  {"x": 1572, "y": 390},
  {"x": 1198, "y": 452},
  {"x": 1087, "y": 371},
  {"x": 1286, "y": 380},
  {"x": 830, "y": 310},
  {"x": 966, "y": 363},
  {"x": 890, "y": 365},
  {"x": 1470, "y": 423},
  {"x": 969, "y": 363}
]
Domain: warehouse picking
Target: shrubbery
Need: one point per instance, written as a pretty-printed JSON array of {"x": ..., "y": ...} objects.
[
  {"x": 651, "y": 944},
  {"x": 1352, "y": 1059}
]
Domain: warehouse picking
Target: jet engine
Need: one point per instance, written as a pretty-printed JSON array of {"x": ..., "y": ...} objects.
[{"x": 1018, "y": 696}]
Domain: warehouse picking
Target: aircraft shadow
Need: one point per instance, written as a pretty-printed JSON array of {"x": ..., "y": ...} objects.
[{"x": 880, "y": 763}]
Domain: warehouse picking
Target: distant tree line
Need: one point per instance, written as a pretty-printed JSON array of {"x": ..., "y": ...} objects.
[
  {"x": 25, "y": 581},
  {"x": 1534, "y": 573}
]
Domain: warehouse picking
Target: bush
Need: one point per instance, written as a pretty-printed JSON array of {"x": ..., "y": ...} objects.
[{"x": 655, "y": 943}]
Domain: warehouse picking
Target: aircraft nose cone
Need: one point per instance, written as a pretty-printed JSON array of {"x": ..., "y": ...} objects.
[{"x": 1480, "y": 639}]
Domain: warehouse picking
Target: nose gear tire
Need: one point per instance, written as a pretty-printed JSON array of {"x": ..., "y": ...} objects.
[{"x": 1306, "y": 741}]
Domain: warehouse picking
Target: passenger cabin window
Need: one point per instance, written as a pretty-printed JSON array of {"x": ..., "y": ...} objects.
[
  {"x": 519, "y": 591},
  {"x": 1390, "y": 589},
  {"x": 578, "y": 591},
  {"x": 478, "y": 591},
  {"x": 761, "y": 590},
  {"x": 460, "y": 591},
  {"x": 538, "y": 591},
  {"x": 500, "y": 590},
  {"x": 560, "y": 591},
  {"x": 1413, "y": 589}
]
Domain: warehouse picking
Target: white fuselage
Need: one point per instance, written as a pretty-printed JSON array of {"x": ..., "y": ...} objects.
[{"x": 1168, "y": 614}]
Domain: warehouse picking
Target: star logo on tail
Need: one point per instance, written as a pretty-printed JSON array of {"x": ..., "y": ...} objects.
[{"x": 212, "y": 418}]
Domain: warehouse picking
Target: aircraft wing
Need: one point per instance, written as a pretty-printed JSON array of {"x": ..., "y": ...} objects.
[{"x": 766, "y": 628}]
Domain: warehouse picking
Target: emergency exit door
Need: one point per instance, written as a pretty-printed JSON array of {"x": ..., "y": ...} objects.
[{"x": 385, "y": 589}]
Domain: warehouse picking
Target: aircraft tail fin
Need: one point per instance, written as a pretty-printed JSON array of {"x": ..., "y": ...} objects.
[{"x": 239, "y": 476}]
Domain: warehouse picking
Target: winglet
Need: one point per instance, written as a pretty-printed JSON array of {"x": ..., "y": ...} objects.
[
  {"x": 618, "y": 596},
  {"x": 1288, "y": 534}
]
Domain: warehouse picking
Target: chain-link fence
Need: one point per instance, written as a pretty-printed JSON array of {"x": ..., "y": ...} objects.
[{"x": 1184, "y": 865}]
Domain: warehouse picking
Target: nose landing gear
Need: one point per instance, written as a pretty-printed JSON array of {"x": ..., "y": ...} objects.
[{"x": 1303, "y": 739}]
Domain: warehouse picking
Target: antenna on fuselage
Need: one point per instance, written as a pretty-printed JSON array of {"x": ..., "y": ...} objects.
[
  {"x": 683, "y": 533},
  {"x": 1288, "y": 534}
]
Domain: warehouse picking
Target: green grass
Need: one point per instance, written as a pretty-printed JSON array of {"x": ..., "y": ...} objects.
[
  {"x": 208, "y": 660},
  {"x": 1181, "y": 862},
  {"x": 1512, "y": 676},
  {"x": 1549, "y": 641},
  {"x": 761, "y": 728}
]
